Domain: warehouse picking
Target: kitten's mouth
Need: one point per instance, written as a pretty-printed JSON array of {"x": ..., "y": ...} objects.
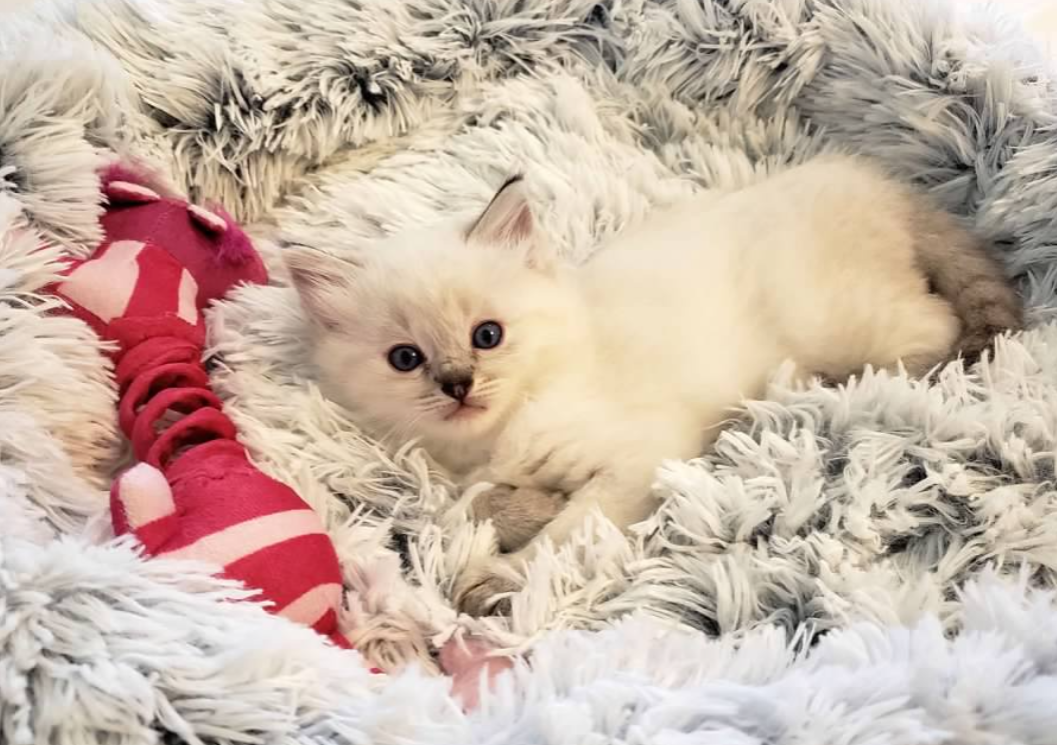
[{"x": 464, "y": 411}]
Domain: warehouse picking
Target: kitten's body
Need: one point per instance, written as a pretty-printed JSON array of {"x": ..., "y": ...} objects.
[{"x": 641, "y": 354}]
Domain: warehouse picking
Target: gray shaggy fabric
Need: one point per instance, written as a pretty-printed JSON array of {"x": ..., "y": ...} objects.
[{"x": 828, "y": 516}]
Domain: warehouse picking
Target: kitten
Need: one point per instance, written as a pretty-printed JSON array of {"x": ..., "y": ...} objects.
[{"x": 568, "y": 386}]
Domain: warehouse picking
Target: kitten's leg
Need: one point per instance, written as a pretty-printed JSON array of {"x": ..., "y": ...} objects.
[
  {"x": 624, "y": 500},
  {"x": 517, "y": 513},
  {"x": 970, "y": 301},
  {"x": 535, "y": 473},
  {"x": 918, "y": 331},
  {"x": 930, "y": 338}
]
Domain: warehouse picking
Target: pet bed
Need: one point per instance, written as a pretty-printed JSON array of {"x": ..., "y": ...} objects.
[{"x": 866, "y": 564}]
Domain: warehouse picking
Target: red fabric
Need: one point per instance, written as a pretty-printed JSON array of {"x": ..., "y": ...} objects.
[
  {"x": 329, "y": 620},
  {"x": 156, "y": 533},
  {"x": 152, "y": 352},
  {"x": 147, "y": 425},
  {"x": 131, "y": 332},
  {"x": 219, "y": 468},
  {"x": 155, "y": 295},
  {"x": 197, "y": 427},
  {"x": 150, "y": 382},
  {"x": 288, "y": 579},
  {"x": 152, "y": 307}
]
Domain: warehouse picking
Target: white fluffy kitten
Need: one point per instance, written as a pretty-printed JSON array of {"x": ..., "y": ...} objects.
[{"x": 568, "y": 386}]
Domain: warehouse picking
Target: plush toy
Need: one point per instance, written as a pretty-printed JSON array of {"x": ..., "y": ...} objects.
[{"x": 194, "y": 494}]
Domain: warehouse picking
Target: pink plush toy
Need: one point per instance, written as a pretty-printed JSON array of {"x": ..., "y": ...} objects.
[{"x": 194, "y": 494}]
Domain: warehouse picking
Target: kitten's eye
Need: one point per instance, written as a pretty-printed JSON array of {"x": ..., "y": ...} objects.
[
  {"x": 405, "y": 358},
  {"x": 487, "y": 335}
]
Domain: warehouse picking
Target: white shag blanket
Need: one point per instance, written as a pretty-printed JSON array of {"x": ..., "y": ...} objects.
[{"x": 870, "y": 564}]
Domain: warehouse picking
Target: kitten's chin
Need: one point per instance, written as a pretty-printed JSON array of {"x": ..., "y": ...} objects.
[
  {"x": 467, "y": 420},
  {"x": 466, "y": 413}
]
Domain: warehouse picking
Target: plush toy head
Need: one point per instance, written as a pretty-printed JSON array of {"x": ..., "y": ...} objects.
[{"x": 207, "y": 242}]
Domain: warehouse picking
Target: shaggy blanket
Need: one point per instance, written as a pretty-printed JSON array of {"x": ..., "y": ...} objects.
[{"x": 863, "y": 564}]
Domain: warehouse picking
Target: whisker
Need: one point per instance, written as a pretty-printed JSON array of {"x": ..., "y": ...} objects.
[
  {"x": 429, "y": 403},
  {"x": 489, "y": 386},
  {"x": 435, "y": 405}
]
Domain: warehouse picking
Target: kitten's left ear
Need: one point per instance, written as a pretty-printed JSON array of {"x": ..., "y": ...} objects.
[
  {"x": 321, "y": 280},
  {"x": 508, "y": 221}
]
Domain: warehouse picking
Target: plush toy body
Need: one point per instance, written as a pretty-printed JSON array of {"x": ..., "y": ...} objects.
[{"x": 195, "y": 494}]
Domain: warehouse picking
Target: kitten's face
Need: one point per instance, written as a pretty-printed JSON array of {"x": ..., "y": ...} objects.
[{"x": 438, "y": 333}]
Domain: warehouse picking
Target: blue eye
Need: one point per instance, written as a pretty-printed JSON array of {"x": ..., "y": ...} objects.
[
  {"x": 487, "y": 335},
  {"x": 405, "y": 358}
]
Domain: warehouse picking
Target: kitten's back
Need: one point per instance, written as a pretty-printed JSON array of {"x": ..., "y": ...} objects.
[
  {"x": 829, "y": 263},
  {"x": 867, "y": 227}
]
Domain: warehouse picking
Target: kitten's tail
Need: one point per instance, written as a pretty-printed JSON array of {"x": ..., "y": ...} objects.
[{"x": 961, "y": 269}]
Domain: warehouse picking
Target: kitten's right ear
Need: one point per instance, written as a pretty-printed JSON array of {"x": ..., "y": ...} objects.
[
  {"x": 508, "y": 221},
  {"x": 321, "y": 280},
  {"x": 508, "y": 217}
]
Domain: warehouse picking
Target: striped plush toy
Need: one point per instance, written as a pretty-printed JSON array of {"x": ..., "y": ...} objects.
[{"x": 195, "y": 494}]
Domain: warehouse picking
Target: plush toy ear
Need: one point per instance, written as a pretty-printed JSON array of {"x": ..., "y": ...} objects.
[
  {"x": 127, "y": 192},
  {"x": 323, "y": 282}
]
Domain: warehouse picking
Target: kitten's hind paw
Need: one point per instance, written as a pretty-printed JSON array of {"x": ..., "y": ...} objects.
[{"x": 485, "y": 591}]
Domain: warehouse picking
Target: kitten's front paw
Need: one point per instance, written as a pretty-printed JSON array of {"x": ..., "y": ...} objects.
[
  {"x": 517, "y": 513},
  {"x": 485, "y": 591},
  {"x": 553, "y": 457}
]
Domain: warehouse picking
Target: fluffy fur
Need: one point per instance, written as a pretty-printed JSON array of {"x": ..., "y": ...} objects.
[{"x": 606, "y": 370}]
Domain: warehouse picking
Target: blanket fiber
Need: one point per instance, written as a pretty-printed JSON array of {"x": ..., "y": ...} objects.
[{"x": 866, "y": 564}]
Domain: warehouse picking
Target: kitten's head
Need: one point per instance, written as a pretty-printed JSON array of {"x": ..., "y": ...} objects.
[{"x": 440, "y": 333}]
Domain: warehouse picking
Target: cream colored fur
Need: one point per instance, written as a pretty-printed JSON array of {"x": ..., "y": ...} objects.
[{"x": 639, "y": 355}]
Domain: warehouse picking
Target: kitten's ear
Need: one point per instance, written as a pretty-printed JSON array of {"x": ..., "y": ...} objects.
[
  {"x": 321, "y": 280},
  {"x": 508, "y": 221},
  {"x": 508, "y": 217}
]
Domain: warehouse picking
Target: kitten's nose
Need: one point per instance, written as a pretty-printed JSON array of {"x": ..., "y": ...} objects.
[{"x": 456, "y": 386}]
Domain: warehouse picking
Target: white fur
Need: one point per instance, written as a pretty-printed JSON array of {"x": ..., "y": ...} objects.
[{"x": 639, "y": 355}]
